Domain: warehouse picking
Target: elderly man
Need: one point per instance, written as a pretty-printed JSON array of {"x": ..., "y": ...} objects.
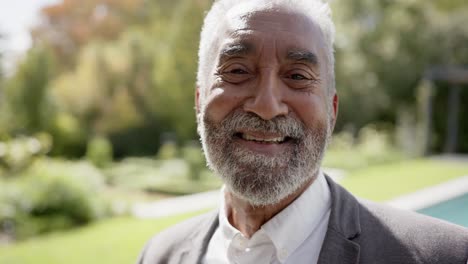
[{"x": 266, "y": 106}]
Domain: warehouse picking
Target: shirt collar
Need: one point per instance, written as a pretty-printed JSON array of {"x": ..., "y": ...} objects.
[
  {"x": 227, "y": 230},
  {"x": 289, "y": 228}
]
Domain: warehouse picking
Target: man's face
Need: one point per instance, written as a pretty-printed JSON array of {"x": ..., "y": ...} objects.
[{"x": 264, "y": 119}]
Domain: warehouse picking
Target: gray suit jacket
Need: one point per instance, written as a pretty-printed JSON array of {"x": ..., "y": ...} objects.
[{"x": 358, "y": 232}]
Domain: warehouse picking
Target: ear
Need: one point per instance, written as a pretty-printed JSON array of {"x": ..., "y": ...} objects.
[
  {"x": 335, "y": 103},
  {"x": 197, "y": 100}
]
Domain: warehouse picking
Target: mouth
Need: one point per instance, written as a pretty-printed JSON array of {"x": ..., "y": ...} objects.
[{"x": 263, "y": 138}]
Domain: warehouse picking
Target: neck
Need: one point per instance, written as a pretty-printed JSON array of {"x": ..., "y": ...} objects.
[{"x": 248, "y": 219}]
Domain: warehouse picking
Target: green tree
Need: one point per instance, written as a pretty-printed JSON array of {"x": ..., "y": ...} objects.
[
  {"x": 141, "y": 85},
  {"x": 2, "y": 97},
  {"x": 383, "y": 49},
  {"x": 70, "y": 25},
  {"x": 26, "y": 93},
  {"x": 177, "y": 65}
]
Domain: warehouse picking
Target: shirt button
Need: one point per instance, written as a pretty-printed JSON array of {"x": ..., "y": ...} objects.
[
  {"x": 240, "y": 241},
  {"x": 283, "y": 254},
  {"x": 242, "y": 244}
]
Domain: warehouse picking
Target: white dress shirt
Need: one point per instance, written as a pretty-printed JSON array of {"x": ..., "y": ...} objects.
[{"x": 294, "y": 235}]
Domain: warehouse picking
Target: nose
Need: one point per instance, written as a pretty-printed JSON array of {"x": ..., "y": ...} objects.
[{"x": 266, "y": 100}]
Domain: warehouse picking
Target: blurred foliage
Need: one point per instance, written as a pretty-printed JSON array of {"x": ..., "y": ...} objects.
[
  {"x": 171, "y": 176},
  {"x": 134, "y": 173},
  {"x": 383, "y": 49},
  {"x": 122, "y": 69},
  {"x": 373, "y": 146},
  {"x": 1, "y": 69},
  {"x": 51, "y": 195},
  {"x": 2, "y": 77},
  {"x": 25, "y": 101},
  {"x": 193, "y": 155},
  {"x": 19, "y": 153},
  {"x": 168, "y": 150},
  {"x": 99, "y": 152},
  {"x": 70, "y": 25}
]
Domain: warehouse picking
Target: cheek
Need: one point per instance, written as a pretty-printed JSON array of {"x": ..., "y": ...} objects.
[
  {"x": 310, "y": 109},
  {"x": 220, "y": 103}
]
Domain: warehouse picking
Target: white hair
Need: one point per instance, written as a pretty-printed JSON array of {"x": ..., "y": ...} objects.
[{"x": 317, "y": 10}]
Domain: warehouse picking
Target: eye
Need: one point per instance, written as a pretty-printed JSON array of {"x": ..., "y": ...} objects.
[
  {"x": 235, "y": 73},
  {"x": 238, "y": 71},
  {"x": 298, "y": 77}
]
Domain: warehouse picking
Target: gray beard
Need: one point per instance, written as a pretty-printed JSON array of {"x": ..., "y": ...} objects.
[{"x": 262, "y": 179}]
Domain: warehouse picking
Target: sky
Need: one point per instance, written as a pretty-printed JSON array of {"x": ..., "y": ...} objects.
[{"x": 16, "y": 18}]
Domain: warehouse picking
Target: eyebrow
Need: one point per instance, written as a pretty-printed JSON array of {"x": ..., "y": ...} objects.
[
  {"x": 236, "y": 50},
  {"x": 303, "y": 56}
]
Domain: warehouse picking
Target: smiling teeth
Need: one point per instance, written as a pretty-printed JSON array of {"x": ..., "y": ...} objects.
[{"x": 252, "y": 138}]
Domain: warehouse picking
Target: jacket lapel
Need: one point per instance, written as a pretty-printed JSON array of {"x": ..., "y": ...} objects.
[
  {"x": 337, "y": 249},
  {"x": 338, "y": 246},
  {"x": 343, "y": 227},
  {"x": 195, "y": 247}
]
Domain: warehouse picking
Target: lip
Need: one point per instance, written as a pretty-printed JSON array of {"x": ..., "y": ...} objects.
[
  {"x": 261, "y": 135},
  {"x": 264, "y": 148}
]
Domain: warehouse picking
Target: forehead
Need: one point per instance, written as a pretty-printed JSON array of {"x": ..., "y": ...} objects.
[
  {"x": 249, "y": 15},
  {"x": 291, "y": 30}
]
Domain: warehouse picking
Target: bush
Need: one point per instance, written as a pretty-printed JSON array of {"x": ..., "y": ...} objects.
[
  {"x": 372, "y": 146},
  {"x": 167, "y": 151},
  {"x": 193, "y": 155},
  {"x": 162, "y": 176},
  {"x": 133, "y": 173},
  {"x": 69, "y": 136},
  {"x": 51, "y": 195},
  {"x": 376, "y": 146},
  {"x": 18, "y": 153},
  {"x": 99, "y": 151}
]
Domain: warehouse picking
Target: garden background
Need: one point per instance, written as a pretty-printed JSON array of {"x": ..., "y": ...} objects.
[{"x": 98, "y": 115}]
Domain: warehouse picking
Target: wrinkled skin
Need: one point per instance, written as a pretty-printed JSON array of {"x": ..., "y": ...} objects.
[{"x": 266, "y": 114}]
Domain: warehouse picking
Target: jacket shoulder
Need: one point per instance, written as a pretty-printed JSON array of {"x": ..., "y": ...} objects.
[
  {"x": 422, "y": 239},
  {"x": 171, "y": 243}
]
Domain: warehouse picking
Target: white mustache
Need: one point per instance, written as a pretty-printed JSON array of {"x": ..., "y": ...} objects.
[{"x": 285, "y": 126}]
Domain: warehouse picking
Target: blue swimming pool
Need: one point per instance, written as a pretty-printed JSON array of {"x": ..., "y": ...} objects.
[{"x": 454, "y": 210}]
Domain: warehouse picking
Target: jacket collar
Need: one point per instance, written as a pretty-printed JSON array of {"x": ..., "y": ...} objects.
[
  {"x": 338, "y": 246},
  {"x": 194, "y": 248},
  {"x": 343, "y": 227}
]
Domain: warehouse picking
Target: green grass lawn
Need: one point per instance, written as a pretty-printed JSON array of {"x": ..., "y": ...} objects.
[
  {"x": 114, "y": 241},
  {"x": 383, "y": 182},
  {"x": 120, "y": 240}
]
